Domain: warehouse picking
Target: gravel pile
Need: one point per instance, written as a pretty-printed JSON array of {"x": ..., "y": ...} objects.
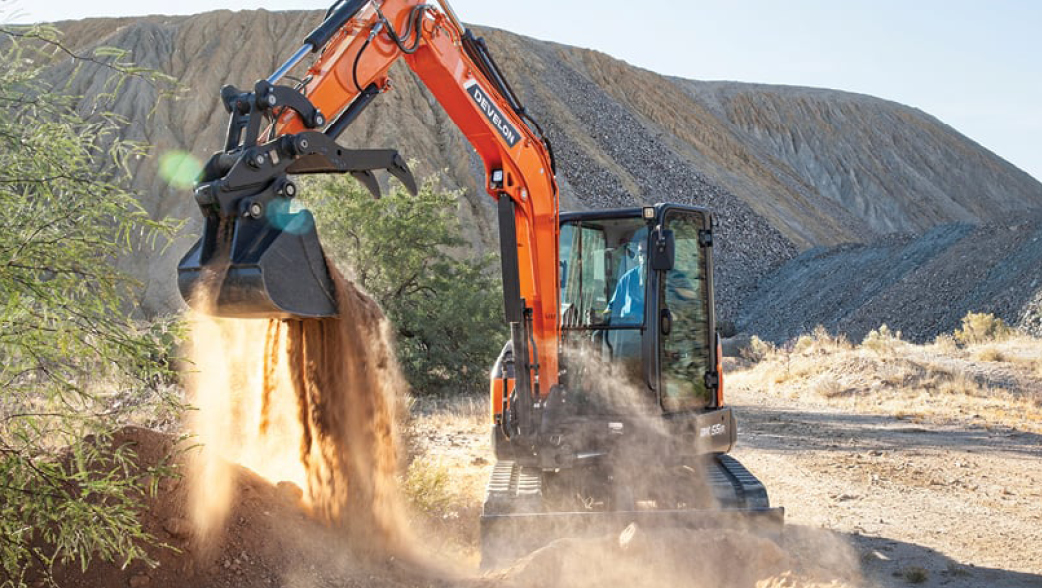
[
  {"x": 921, "y": 286},
  {"x": 746, "y": 247}
]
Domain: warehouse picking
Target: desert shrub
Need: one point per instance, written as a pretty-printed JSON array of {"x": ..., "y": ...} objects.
[
  {"x": 803, "y": 344},
  {"x": 758, "y": 350},
  {"x": 828, "y": 387},
  {"x": 915, "y": 574},
  {"x": 990, "y": 353},
  {"x": 882, "y": 341},
  {"x": 820, "y": 341},
  {"x": 979, "y": 327},
  {"x": 961, "y": 384},
  {"x": 428, "y": 485},
  {"x": 72, "y": 362}
]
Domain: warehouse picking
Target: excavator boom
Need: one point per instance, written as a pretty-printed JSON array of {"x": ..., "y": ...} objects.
[{"x": 259, "y": 255}]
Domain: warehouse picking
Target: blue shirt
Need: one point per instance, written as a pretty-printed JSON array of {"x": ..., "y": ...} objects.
[{"x": 627, "y": 303}]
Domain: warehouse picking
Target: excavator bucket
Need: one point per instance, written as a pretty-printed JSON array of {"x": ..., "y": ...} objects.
[
  {"x": 258, "y": 268},
  {"x": 258, "y": 257}
]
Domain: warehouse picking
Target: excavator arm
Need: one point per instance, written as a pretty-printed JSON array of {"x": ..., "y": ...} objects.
[{"x": 260, "y": 257}]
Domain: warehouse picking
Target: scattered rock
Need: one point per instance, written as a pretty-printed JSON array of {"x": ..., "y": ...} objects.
[{"x": 178, "y": 527}]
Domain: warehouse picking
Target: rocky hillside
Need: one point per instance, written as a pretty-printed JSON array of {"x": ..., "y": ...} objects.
[
  {"x": 921, "y": 285},
  {"x": 788, "y": 169}
]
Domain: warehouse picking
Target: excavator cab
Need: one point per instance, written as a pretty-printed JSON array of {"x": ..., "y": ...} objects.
[
  {"x": 636, "y": 290},
  {"x": 637, "y": 334}
]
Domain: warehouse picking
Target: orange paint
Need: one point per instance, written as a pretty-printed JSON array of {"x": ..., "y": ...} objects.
[{"x": 448, "y": 72}]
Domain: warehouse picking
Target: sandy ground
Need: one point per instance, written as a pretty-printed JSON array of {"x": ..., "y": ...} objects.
[
  {"x": 871, "y": 500},
  {"x": 943, "y": 502},
  {"x": 921, "y": 501}
]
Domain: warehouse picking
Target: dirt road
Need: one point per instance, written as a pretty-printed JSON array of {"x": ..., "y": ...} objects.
[
  {"x": 929, "y": 503},
  {"x": 933, "y": 503}
]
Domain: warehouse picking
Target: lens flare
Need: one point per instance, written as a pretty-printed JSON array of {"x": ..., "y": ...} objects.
[
  {"x": 290, "y": 216},
  {"x": 180, "y": 169}
]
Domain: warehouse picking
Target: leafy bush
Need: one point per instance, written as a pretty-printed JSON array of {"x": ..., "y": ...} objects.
[
  {"x": 446, "y": 311},
  {"x": 979, "y": 327},
  {"x": 72, "y": 363}
]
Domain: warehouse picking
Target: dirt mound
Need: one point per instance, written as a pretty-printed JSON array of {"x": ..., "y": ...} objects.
[{"x": 270, "y": 537}]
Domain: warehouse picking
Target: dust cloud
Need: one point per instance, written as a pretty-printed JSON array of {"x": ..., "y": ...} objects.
[
  {"x": 312, "y": 403},
  {"x": 738, "y": 555},
  {"x": 724, "y": 558}
]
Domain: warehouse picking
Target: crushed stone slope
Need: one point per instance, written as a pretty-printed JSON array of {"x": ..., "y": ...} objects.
[
  {"x": 895, "y": 168},
  {"x": 921, "y": 286},
  {"x": 787, "y": 169}
]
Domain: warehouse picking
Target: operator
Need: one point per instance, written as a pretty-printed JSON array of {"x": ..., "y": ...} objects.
[
  {"x": 626, "y": 309},
  {"x": 627, "y": 303}
]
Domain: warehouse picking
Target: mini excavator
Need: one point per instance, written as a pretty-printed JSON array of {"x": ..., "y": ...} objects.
[{"x": 607, "y": 402}]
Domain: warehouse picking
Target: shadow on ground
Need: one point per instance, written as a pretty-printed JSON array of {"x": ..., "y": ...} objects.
[
  {"x": 822, "y": 431},
  {"x": 888, "y": 563}
]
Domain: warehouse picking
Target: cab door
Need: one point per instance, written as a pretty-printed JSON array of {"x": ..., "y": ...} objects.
[{"x": 685, "y": 316}]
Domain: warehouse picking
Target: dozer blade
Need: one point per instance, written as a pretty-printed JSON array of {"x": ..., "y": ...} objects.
[
  {"x": 508, "y": 537},
  {"x": 263, "y": 269},
  {"x": 518, "y": 520}
]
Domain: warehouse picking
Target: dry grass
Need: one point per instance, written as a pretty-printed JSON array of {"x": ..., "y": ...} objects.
[
  {"x": 989, "y": 353},
  {"x": 915, "y": 574},
  {"x": 448, "y": 469},
  {"x": 982, "y": 371},
  {"x": 452, "y": 412}
]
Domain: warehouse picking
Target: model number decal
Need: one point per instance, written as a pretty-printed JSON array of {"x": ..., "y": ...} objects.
[
  {"x": 506, "y": 130},
  {"x": 712, "y": 430}
]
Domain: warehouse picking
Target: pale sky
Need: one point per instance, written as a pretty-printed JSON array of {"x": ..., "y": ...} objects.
[{"x": 975, "y": 64}]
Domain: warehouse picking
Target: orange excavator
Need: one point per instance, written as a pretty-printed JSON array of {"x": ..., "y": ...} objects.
[{"x": 607, "y": 400}]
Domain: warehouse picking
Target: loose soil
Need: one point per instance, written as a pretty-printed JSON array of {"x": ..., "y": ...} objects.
[
  {"x": 939, "y": 503},
  {"x": 875, "y": 495}
]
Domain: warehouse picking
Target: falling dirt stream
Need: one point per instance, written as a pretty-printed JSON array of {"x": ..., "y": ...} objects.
[{"x": 310, "y": 402}]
